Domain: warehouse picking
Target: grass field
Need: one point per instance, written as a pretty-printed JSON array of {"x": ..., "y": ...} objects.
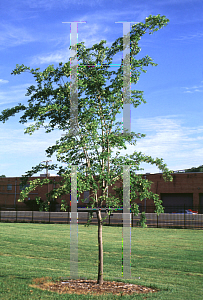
[{"x": 168, "y": 259}]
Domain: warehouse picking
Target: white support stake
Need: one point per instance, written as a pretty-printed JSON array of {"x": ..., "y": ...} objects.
[
  {"x": 74, "y": 225},
  {"x": 74, "y": 131},
  {"x": 126, "y": 234}
]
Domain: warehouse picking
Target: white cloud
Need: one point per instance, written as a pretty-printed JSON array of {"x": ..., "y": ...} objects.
[
  {"x": 54, "y": 57},
  {"x": 14, "y": 94},
  {"x": 51, "y": 4},
  {"x": 180, "y": 146},
  {"x": 17, "y": 143},
  {"x": 11, "y": 35},
  {"x": 167, "y": 137},
  {"x": 189, "y": 37},
  {"x": 3, "y": 81},
  {"x": 90, "y": 34},
  {"x": 169, "y": 2},
  {"x": 193, "y": 89}
]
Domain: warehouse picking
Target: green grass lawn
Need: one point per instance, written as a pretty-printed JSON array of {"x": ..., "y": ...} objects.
[{"x": 168, "y": 259}]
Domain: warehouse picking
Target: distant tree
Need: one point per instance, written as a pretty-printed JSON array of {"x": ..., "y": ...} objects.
[
  {"x": 195, "y": 169},
  {"x": 2, "y": 176},
  {"x": 50, "y": 100}
]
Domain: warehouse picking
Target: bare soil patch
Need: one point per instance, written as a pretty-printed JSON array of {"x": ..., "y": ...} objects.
[{"x": 83, "y": 287}]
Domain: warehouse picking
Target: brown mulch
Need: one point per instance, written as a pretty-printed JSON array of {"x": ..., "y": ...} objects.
[{"x": 83, "y": 287}]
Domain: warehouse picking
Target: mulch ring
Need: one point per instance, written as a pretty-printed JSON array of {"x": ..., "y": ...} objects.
[{"x": 83, "y": 287}]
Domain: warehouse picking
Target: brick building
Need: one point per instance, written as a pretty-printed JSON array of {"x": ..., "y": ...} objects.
[{"x": 185, "y": 189}]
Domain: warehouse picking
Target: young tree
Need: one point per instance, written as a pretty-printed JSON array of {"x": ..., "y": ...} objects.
[{"x": 50, "y": 100}]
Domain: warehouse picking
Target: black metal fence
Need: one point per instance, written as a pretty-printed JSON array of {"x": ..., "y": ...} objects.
[{"x": 173, "y": 217}]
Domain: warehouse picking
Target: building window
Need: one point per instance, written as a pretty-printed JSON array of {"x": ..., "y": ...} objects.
[
  {"x": 23, "y": 187},
  {"x": 9, "y": 187},
  {"x": 86, "y": 196}
]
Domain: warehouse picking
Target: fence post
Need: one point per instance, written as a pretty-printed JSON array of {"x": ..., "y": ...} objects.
[
  {"x": 184, "y": 216},
  {"x": 16, "y": 214},
  {"x": 87, "y": 215},
  {"x": 132, "y": 218},
  {"x": 68, "y": 220},
  {"x": 157, "y": 221},
  {"x": 49, "y": 211}
]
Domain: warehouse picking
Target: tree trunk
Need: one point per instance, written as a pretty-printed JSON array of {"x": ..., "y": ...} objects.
[{"x": 100, "y": 244}]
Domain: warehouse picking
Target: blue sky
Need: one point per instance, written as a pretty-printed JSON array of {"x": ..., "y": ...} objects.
[{"x": 32, "y": 33}]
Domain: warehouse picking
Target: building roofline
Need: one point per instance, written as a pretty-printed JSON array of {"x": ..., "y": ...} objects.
[{"x": 175, "y": 172}]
